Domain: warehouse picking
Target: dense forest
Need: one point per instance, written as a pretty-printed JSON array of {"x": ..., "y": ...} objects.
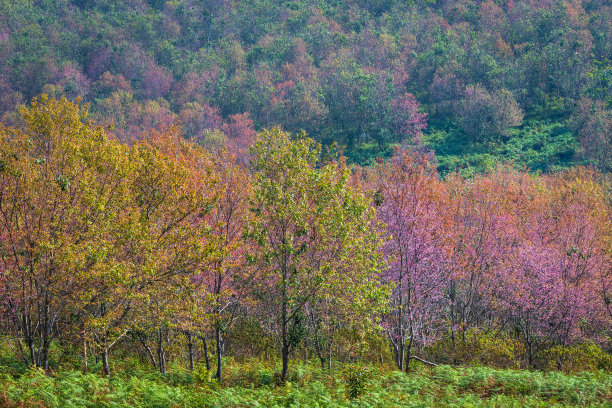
[
  {"x": 522, "y": 81},
  {"x": 305, "y": 203}
]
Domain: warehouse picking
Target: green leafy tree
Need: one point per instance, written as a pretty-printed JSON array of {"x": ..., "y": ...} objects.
[
  {"x": 61, "y": 186},
  {"x": 315, "y": 237}
]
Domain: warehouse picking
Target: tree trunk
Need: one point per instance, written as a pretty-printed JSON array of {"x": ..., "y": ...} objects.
[
  {"x": 206, "y": 357},
  {"x": 330, "y": 346},
  {"x": 45, "y": 355},
  {"x": 409, "y": 349},
  {"x": 429, "y": 363},
  {"x": 190, "y": 347},
  {"x": 161, "y": 354},
  {"x": 530, "y": 353},
  {"x": 452, "y": 313},
  {"x": 284, "y": 327},
  {"x": 285, "y": 357},
  {"x": 149, "y": 352},
  {"x": 44, "y": 352},
  {"x": 85, "y": 367},
  {"x": 30, "y": 344},
  {"x": 400, "y": 318},
  {"x": 529, "y": 342},
  {"x": 105, "y": 367},
  {"x": 219, "y": 341}
]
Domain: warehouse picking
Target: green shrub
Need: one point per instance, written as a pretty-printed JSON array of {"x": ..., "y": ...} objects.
[
  {"x": 205, "y": 379},
  {"x": 581, "y": 357},
  {"x": 357, "y": 378},
  {"x": 479, "y": 349}
]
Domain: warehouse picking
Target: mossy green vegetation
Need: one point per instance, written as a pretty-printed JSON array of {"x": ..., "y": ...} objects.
[
  {"x": 537, "y": 145},
  {"x": 255, "y": 384}
]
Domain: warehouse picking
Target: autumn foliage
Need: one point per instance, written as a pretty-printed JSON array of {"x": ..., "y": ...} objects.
[{"x": 166, "y": 251}]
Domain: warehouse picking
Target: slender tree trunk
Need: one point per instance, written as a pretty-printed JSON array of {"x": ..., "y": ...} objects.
[
  {"x": 105, "y": 367},
  {"x": 220, "y": 352},
  {"x": 530, "y": 351},
  {"x": 452, "y": 313},
  {"x": 400, "y": 318},
  {"x": 161, "y": 354},
  {"x": 206, "y": 357},
  {"x": 30, "y": 344},
  {"x": 530, "y": 348},
  {"x": 190, "y": 347},
  {"x": 529, "y": 344},
  {"x": 46, "y": 335},
  {"x": 285, "y": 358},
  {"x": 24, "y": 323},
  {"x": 85, "y": 366},
  {"x": 409, "y": 351},
  {"x": 285, "y": 349},
  {"x": 149, "y": 352},
  {"x": 330, "y": 346},
  {"x": 45, "y": 356}
]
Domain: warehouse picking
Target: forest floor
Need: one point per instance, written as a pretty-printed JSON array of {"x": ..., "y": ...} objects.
[{"x": 254, "y": 384}]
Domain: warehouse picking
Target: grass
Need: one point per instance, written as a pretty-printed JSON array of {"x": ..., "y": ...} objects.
[{"x": 254, "y": 384}]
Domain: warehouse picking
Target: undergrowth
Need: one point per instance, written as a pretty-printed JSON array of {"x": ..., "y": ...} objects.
[{"x": 254, "y": 384}]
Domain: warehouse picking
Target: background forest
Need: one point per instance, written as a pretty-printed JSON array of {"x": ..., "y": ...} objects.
[{"x": 524, "y": 81}]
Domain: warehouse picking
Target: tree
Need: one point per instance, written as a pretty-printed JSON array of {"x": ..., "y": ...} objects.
[
  {"x": 61, "y": 185},
  {"x": 549, "y": 279},
  {"x": 313, "y": 235},
  {"x": 592, "y": 123},
  {"x": 414, "y": 205},
  {"x": 483, "y": 114},
  {"x": 241, "y": 135},
  {"x": 409, "y": 122},
  {"x": 167, "y": 245},
  {"x": 154, "y": 247},
  {"x": 484, "y": 223},
  {"x": 227, "y": 277}
]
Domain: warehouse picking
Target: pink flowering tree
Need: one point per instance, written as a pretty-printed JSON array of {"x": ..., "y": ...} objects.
[
  {"x": 412, "y": 204},
  {"x": 409, "y": 121},
  {"x": 241, "y": 134},
  {"x": 226, "y": 280},
  {"x": 549, "y": 280}
]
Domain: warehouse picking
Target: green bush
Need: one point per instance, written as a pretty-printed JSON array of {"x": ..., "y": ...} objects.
[
  {"x": 581, "y": 357},
  {"x": 479, "y": 349},
  {"x": 357, "y": 379}
]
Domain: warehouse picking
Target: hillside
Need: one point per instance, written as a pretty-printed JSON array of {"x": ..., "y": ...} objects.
[{"x": 478, "y": 82}]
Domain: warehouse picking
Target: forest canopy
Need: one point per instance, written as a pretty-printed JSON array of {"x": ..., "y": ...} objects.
[{"x": 477, "y": 82}]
